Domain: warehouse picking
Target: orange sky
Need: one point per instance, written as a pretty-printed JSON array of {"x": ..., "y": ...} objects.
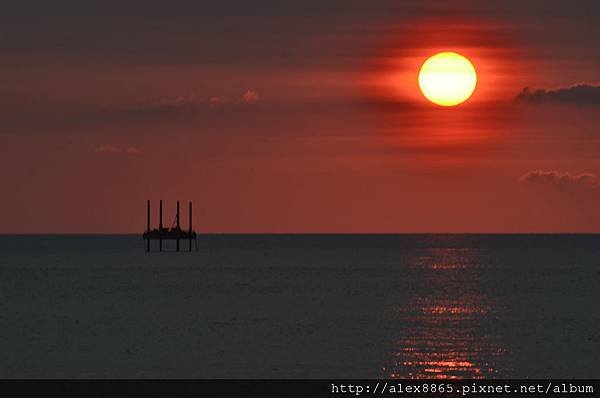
[{"x": 299, "y": 118}]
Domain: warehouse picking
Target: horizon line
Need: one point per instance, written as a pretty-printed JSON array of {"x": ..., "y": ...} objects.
[{"x": 303, "y": 233}]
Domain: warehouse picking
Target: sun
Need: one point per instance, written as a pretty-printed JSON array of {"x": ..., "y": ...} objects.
[{"x": 447, "y": 79}]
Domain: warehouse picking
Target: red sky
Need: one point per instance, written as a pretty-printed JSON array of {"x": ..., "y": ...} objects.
[{"x": 298, "y": 118}]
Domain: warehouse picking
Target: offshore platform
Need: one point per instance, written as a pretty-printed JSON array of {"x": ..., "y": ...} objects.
[{"x": 174, "y": 232}]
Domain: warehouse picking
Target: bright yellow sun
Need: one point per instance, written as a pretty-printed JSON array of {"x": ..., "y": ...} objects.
[{"x": 447, "y": 79}]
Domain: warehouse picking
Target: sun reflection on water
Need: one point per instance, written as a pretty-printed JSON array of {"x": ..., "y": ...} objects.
[{"x": 447, "y": 329}]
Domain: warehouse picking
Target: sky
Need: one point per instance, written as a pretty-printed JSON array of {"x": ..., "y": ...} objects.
[{"x": 298, "y": 117}]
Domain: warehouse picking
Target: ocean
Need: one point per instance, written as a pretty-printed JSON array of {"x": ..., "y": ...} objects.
[{"x": 301, "y": 306}]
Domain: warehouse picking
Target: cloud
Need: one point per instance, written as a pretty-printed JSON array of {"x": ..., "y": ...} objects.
[
  {"x": 107, "y": 149},
  {"x": 580, "y": 94},
  {"x": 132, "y": 150},
  {"x": 113, "y": 150},
  {"x": 250, "y": 97},
  {"x": 164, "y": 105},
  {"x": 216, "y": 101},
  {"x": 562, "y": 180},
  {"x": 182, "y": 104}
]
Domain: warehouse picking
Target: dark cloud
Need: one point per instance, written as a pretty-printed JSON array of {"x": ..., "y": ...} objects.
[
  {"x": 562, "y": 180},
  {"x": 580, "y": 94},
  {"x": 264, "y": 32}
]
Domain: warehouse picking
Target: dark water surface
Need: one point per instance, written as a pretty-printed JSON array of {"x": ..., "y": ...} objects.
[{"x": 315, "y": 306}]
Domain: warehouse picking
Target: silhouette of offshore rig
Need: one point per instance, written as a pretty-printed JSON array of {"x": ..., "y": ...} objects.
[{"x": 173, "y": 233}]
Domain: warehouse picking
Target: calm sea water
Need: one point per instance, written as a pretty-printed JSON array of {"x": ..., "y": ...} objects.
[{"x": 324, "y": 306}]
